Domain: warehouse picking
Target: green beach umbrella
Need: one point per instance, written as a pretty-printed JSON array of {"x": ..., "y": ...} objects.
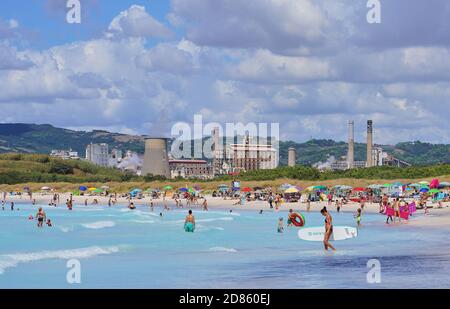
[
  {"x": 168, "y": 188},
  {"x": 434, "y": 191}
]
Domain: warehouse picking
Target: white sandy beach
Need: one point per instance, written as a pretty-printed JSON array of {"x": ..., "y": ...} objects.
[{"x": 436, "y": 217}]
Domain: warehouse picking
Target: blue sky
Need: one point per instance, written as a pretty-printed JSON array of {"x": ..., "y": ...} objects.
[{"x": 141, "y": 66}]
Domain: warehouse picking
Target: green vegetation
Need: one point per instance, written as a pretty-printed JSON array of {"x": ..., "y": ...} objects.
[
  {"x": 308, "y": 173},
  {"x": 33, "y": 168},
  {"x": 24, "y": 168}
]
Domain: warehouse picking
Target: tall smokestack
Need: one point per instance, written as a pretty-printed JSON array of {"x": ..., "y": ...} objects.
[
  {"x": 351, "y": 144},
  {"x": 369, "y": 161},
  {"x": 292, "y": 156},
  {"x": 156, "y": 159}
]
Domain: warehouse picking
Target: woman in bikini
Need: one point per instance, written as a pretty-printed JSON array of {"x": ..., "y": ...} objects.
[{"x": 328, "y": 229}]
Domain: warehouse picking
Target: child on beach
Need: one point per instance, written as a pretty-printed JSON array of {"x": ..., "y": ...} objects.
[
  {"x": 280, "y": 225},
  {"x": 388, "y": 206}
]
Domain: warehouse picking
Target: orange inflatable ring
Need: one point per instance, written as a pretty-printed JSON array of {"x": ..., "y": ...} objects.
[{"x": 297, "y": 219}]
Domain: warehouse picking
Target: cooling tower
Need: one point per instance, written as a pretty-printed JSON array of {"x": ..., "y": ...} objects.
[
  {"x": 156, "y": 159},
  {"x": 351, "y": 144},
  {"x": 369, "y": 160},
  {"x": 292, "y": 156}
]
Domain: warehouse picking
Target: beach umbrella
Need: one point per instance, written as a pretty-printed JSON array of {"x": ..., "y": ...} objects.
[
  {"x": 98, "y": 191},
  {"x": 285, "y": 186},
  {"x": 374, "y": 187},
  {"x": 26, "y": 188},
  {"x": 291, "y": 190},
  {"x": 310, "y": 188},
  {"x": 386, "y": 185},
  {"x": 247, "y": 189},
  {"x": 298, "y": 188},
  {"x": 92, "y": 189},
  {"x": 197, "y": 188},
  {"x": 166, "y": 188},
  {"x": 359, "y": 189},
  {"x": 433, "y": 191},
  {"x": 424, "y": 190},
  {"x": 105, "y": 187},
  {"x": 320, "y": 188},
  {"x": 83, "y": 188},
  {"x": 414, "y": 185},
  {"x": 183, "y": 189},
  {"x": 434, "y": 184},
  {"x": 45, "y": 188},
  {"x": 424, "y": 183},
  {"x": 444, "y": 184}
]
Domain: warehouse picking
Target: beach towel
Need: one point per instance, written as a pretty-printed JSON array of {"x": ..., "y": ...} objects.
[
  {"x": 390, "y": 211},
  {"x": 404, "y": 215},
  {"x": 412, "y": 207}
]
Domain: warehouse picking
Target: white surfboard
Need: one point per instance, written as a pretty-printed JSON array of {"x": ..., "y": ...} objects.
[{"x": 317, "y": 233}]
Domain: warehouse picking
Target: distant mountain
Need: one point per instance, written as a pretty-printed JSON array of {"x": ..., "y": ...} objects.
[{"x": 32, "y": 138}]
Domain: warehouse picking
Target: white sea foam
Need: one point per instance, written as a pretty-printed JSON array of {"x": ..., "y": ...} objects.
[
  {"x": 222, "y": 249},
  {"x": 143, "y": 221},
  {"x": 99, "y": 225},
  {"x": 12, "y": 260},
  {"x": 66, "y": 229}
]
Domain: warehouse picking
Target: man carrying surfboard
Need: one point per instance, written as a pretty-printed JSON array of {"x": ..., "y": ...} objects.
[{"x": 328, "y": 229}]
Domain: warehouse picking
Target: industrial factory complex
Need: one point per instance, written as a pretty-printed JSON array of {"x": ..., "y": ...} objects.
[{"x": 248, "y": 154}]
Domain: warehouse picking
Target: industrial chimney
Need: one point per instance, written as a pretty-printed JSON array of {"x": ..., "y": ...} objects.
[
  {"x": 369, "y": 161},
  {"x": 292, "y": 156},
  {"x": 156, "y": 159},
  {"x": 351, "y": 144}
]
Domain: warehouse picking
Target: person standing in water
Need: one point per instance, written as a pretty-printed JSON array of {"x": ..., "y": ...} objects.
[
  {"x": 357, "y": 216},
  {"x": 328, "y": 229},
  {"x": 12, "y": 206},
  {"x": 41, "y": 216},
  {"x": 189, "y": 222}
]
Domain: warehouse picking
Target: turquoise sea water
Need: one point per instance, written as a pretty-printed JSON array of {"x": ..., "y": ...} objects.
[{"x": 120, "y": 248}]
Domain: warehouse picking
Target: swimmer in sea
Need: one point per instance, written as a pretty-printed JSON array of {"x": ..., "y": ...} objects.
[
  {"x": 328, "y": 229},
  {"x": 131, "y": 206},
  {"x": 41, "y": 216},
  {"x": 189, "y": 223},
  {"x": 49, "y": 223},
  {"x": 12, "y": 206}
]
